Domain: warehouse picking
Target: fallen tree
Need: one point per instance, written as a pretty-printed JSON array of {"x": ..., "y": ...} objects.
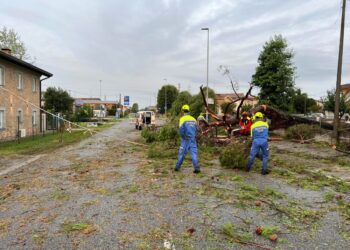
[{"x": 277, "y": 119}]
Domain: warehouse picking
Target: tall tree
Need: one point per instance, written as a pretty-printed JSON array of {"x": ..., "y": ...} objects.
[
  {"x": 197, "y": 104},
  {"x": 304, "y": 104},
  {"x": 167, "y": 93},
  {"x": 84, "y": 113},
  {"x": 9, "y": 38},
  {"x": 184, "y": 97},
  {"x": 275, "y": 74},
  {"x": 134, "y": 108},
  {"x": 329, "y": 103},
  {"x": 58, "y": 100}
]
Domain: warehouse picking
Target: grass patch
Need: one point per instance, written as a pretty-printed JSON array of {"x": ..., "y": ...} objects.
[
  {"x": 4, "y": 224},
  {"x": 41, "y": 144},
  {"x": 38, "y": 238},
  {"x": 329, "y": 196},
  {"x": 267, "y": 231},
  {"x": 68, "y": 227},
  {"x": 234, "y": 234},
  {"x": 133, "y": 189},
  {"x": 59, "y": 195},
  {"x": 103, "y": 191}
]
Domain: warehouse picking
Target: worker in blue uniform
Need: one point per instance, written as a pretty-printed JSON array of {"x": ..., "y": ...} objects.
[
  {"x": 260, "y": 133},
  {"x": 188, "y": 132}
]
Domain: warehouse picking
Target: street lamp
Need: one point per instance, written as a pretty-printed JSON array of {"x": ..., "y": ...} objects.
[
  {"x": 100, "y": 101},
  {"x": 207, "y": 70}
]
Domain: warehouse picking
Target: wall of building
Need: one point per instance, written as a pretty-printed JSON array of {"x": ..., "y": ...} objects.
[{"x": 11, "y": 104}]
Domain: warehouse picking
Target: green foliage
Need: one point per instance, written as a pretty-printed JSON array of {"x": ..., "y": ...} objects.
[
  {"x": 275, "y": 74},
  {"x": 84, "y": 113},
  {"x": 231, "y": 108},
  {"x": 168, "y": 133},
  {"x": 135, "y": 108},
  {"x": 171, "y": 94},
  {"x": 183, "y": 98},
  {"x": 113, "y": 110},
  {"x": 329, "y": 196},
  {"x": 267, "y": 231},
  {"x": 41, "y": 144},
  {"x": 304, "y": 104},
  {"x": 10, "y": 39},
  {"x": 329, "y": 103},
  {"x": 197, "y": 104},
  {"x": 159, "y": 150},
  {"x": 58, "y": 100},
  {"x": 302, "y": 132},
  {"x": 149, "y": 135},
  {"x": 234, "y": 234},
  {"x": 235, "y": 155},
  {"x": 69, "y": 227},
  {"x": 246, "y": 107},
  {"x": 194, "y": 101}
]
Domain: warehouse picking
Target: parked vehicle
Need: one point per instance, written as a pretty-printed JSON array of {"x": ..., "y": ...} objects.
[{"x": 144, "y": 118}]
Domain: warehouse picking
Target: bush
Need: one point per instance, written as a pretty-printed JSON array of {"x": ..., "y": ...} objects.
[
  {"x": 149, "y": 135},
  {"x": 162, "y": 151},
  {"x": 235, "y": 155},
  {"x": 302, "y": 132},
  {"x": 168, "y": 133}
]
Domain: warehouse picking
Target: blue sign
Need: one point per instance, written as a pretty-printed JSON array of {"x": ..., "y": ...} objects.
[{"x": 126, "y": 100}]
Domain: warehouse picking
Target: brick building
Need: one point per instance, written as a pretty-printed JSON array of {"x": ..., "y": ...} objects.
[
  {"x": 19, "y": 80},
  {"x": 223, "y": 98}
]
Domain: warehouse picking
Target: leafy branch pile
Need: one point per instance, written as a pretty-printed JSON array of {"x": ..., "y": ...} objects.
[
  {"x": 235, "y": 155},
  {"x": 302, "y": 132}
]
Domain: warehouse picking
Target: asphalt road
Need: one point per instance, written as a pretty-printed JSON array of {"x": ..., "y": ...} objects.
[{"x": 104, "y": 193}]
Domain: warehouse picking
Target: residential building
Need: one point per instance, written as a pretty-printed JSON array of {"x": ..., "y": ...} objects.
[
  {"x": 228, "y": 97},
  {"x": 20, "y": 94},
  {"x": 96, "y": 104},
  {"x": 345, "y": 88}
]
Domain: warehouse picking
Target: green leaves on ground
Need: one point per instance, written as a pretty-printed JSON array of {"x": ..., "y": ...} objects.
[
  {"x": 235, "y": 155},
  {"x": 302, "y": 132}
]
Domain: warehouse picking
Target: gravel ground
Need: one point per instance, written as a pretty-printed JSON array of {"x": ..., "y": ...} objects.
[{"x": 104, "y": 193}]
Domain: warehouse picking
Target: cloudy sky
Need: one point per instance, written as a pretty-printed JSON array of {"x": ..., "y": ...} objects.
[{"x": 133, "y": 46}]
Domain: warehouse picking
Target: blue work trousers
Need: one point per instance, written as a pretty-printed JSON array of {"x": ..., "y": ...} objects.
[
  {"x": 261, "y": 147},
  {"x": 188, "y": 145}
]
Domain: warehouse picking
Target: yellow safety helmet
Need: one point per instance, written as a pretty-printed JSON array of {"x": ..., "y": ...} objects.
[
  {"x": 186, "y": 107},
  {"x": 259, "y": 115}
]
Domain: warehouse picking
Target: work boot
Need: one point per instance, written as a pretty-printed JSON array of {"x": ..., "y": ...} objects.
[
  {"x": 247, "y": 169},
  {"x": 265, "y": 172},
  {"x": 196, "y": 171},
  {"x": 176, "y": 169}
]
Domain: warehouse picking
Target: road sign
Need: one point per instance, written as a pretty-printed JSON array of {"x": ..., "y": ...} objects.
[
  {"x": 126, "y": 100},
  {"x": 210, "y": 101}
]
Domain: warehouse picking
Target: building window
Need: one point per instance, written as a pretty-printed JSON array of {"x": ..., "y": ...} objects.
[
  {"x": 35, "y": 84},
  {"x": 34, "y": 118},
  {"x": 2, "y": 119},
  {"x": 19, "y": 81},
  {"x": 2, "y": 76}
]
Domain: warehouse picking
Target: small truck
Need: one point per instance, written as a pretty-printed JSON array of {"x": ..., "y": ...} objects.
[{"x": 144, "y": 118}]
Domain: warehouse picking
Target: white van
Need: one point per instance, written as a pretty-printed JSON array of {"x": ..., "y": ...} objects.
[{"x": 144, "y": 118}]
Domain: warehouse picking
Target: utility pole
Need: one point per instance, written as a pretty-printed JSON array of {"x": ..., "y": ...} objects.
[
  {"x": 336, "y": 121},
  {"x": 100, "y": 100}
]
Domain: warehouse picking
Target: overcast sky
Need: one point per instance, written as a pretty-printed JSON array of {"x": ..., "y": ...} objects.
[{"x": 132, "y": 46}]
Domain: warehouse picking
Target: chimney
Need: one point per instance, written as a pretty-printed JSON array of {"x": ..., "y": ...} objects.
[{"x": 6, "y": 50}]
